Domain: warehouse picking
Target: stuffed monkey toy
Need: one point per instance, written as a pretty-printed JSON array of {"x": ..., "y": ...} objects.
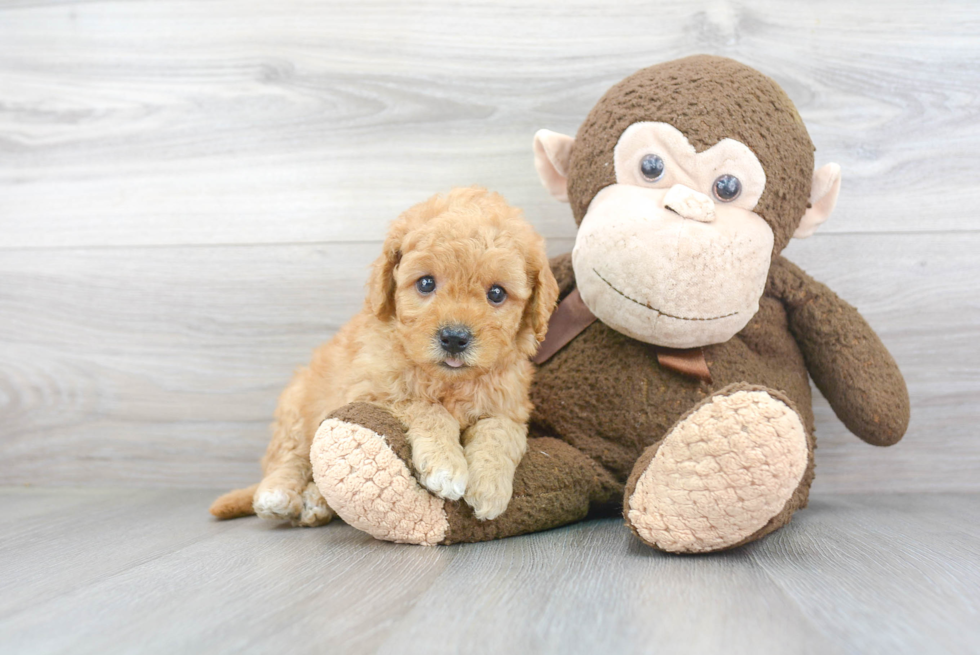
[{"x": 674, "y": 383}]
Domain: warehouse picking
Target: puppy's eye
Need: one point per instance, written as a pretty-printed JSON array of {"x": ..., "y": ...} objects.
[
  {"x": 425, "y": 285},
  {"x": 496, "y": 295},
  {"x": 652, "y": 167}
]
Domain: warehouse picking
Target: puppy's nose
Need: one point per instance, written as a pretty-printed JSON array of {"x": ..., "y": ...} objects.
[{"x": 454, "y": 340}]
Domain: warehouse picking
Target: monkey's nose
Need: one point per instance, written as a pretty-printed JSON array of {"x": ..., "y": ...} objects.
[
  {"x": 690, "y": 203},
  {"x": 455, "y": 340}
]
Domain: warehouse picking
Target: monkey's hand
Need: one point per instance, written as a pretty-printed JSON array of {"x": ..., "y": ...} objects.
[{"x": 845, "y": 357}]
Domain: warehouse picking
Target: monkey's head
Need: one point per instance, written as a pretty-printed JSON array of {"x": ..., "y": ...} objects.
[{"x": 686, "y": 180}]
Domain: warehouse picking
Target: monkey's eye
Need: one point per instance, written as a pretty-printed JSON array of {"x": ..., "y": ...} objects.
[
  {"x": 727, "y": 188},
  {"x": 425, "y": 285},
  {"x": 496, "y": 295},
  {"x": 652, "y": 167}
]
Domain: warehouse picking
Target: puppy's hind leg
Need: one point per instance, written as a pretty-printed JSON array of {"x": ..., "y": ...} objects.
[{"x": 287, "y": 492}]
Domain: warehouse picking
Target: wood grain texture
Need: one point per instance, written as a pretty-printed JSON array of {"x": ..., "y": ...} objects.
[
  {"x": 239, "y": 121},
  {"x": 107, "y": 571},
  {"x": 190, "y": 193}
]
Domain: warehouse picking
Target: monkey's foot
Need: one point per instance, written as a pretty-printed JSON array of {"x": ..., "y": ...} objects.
[
  {"x": 360, "y": 464},
  {"x": 721, "y": 475}
]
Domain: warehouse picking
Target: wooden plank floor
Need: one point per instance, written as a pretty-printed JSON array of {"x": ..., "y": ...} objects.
[{"x": 106, "y": 571}]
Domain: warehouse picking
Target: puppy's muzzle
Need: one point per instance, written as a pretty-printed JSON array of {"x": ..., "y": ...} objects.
[{"x": 454, "y": 340}]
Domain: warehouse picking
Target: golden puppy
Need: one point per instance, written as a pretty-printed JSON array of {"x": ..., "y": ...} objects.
[{"x": 457, "y": 303}]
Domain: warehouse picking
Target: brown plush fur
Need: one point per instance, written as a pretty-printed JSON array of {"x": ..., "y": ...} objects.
[
  {"x": 627, "y": 402},
  {"x": 609, "y": 403},
  {"x": 468, "y": 240},
  {"x": 708, "y": 99},
  {"x": 603, "y": 403}
]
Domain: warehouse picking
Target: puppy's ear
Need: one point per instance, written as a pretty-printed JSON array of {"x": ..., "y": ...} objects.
[
  {"x": 381, "y": 285},
  {"x": 544, "y": 295}
]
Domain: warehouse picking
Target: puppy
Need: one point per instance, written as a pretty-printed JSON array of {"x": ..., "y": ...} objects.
[{"x": 457, "y": 304}]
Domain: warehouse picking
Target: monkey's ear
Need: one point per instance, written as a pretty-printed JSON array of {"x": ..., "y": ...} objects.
[
  {"x": 823, "y": 198},
  {"x": 552, "y": 152}
]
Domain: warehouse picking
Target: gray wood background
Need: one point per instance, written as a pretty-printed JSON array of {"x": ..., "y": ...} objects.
[{"x": 190, "y": 194}]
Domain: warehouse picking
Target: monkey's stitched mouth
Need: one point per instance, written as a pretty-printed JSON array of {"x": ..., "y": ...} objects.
[{"x": 652, "y": 308}]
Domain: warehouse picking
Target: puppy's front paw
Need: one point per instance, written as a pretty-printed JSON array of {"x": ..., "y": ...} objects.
[
  {"x": 442, "y": 471},
  {"x": 490, "y": 488}
]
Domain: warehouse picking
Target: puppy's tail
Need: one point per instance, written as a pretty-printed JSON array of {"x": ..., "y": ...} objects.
[{"x": 235, "y": 504}]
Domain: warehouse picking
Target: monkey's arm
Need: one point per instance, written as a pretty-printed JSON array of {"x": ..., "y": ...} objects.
[{"x": 845, "y": 357}]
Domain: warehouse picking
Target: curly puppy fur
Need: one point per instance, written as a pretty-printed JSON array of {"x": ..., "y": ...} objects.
[{"x": 467, "y": 424}]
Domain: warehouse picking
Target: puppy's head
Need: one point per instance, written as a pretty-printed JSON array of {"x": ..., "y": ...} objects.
[{"x": 466, "y": 281}]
